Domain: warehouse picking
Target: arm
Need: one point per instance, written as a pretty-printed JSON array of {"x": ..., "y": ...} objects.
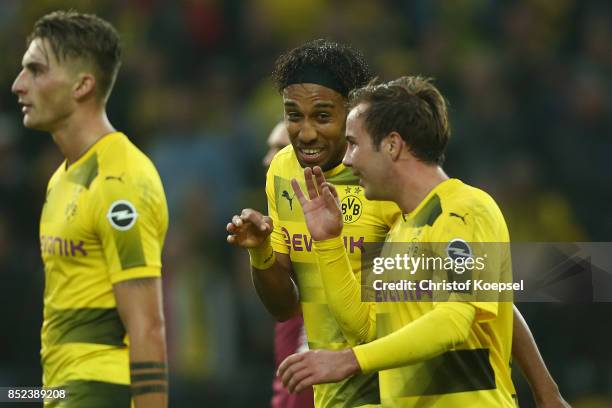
[
  {"x": 355, "y": 318},
  {"x": 447, "y": 326},
  {"x": 270, "y": 270},
  {"x": 324, "y": 221},
  {"x": 276, "y": 288},
  {"x": 139, "y": 302},
  {"x": 525, "y": 352}
]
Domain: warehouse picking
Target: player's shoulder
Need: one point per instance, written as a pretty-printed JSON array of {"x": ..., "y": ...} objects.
[
  {"x": 120, "y": 160},
  {"x": 464, "y": 197},
  {"x": 120, "y": 154},
  {"x": 284, "y": 162},
  {"x": 461, "y": 210},
  {"x": 465, "y": 205}
]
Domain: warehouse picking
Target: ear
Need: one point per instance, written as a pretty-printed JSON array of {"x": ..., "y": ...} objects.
[
  {"x": 84, "y": 86},
  {"x": 393, "y": 145}
]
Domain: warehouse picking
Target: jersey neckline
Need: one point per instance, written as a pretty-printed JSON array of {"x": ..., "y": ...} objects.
[
  {"x": 102, "y": 141},
  {"x": 438, "y": 189}
]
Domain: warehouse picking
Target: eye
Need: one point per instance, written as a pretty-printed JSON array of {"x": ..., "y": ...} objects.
[
  {"x": 293, "y": 116},
  {"x": 323, "y": 117},
  {"x": 34, "y": 69}
]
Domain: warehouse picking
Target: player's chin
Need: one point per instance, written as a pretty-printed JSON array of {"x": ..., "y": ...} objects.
[
  {"x": 30, "y": 122},
  {"x": 369, "y": 192}
]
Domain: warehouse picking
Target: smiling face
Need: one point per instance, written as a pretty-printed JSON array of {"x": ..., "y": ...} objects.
[
  {"x": 44, "y": 88},
  {"x": 368, "y": 162},
  {"x": 315, "y": 117}
]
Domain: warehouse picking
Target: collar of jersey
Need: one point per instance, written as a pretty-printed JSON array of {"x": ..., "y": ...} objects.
[
  {"x": 441, "y": 188},
  {"x": 101, "y": 142},
  {"x": 336, "y": 170}
]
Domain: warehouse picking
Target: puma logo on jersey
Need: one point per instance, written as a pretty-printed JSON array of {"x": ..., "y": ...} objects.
[
  {"x": 119, "y": 178},
  {"x": 285, "y": 194},
  {"x": 459, "y": 216}
]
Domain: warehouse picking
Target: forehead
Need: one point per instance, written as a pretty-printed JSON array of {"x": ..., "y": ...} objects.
[
  {"x": 354, "y": 120},
  {"x": 39, "y": 51},
  {"x": 311, "y": 93}
]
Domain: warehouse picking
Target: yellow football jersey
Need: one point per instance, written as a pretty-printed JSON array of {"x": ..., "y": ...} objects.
[
  {"x": 104, "y": 221},
  {"x": 364, "y": 221},
  {"x": 477, "y": 372}
]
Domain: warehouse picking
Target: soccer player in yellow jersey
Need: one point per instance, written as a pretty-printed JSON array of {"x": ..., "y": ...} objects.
[
  {"x": 314, "y": 80},
  {"x": 102, "y": 226},
  {"x": 428, "y": 353}
]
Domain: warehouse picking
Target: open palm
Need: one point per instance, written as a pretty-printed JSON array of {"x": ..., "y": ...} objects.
[{"x": 322, "y": 207}]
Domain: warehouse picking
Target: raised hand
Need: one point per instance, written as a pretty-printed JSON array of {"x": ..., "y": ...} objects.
[
  {"x": 250, "y": 229},
  {"x": 322, "y": 207}
]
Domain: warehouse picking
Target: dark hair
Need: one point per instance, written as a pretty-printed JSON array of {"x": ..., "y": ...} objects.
[
  {"x": 411, "y": 106},
  {"x": 86, "y": 36},
  {"x": 339, "y": 64}
]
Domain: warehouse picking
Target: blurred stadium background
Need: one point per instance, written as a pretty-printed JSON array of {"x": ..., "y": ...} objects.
[{"x": 530, "y": 87}]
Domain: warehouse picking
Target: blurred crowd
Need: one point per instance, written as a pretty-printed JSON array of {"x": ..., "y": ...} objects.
[{"x": 530, "y": 91}]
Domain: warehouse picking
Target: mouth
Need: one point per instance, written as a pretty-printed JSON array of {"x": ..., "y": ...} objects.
[
  {"x": 311, "y": 155},
  {"x": 25, "y": 107}
]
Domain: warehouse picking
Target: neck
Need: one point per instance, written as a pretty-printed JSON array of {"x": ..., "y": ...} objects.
[
  {"x": 82, "y": 130},
  {"x": 415, "y": 183}
]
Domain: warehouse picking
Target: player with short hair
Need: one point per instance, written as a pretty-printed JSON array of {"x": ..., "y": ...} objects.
[
  {"x": 429, "y": 352},
  {"x": 102, "y": 226},
  {"x": 314, "y": 80}
]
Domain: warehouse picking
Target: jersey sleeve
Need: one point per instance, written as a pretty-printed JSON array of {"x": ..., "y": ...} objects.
[
  {"x": 130, "y": 219},
  {"x": 470, "y": 233},
  {"x": 445, "y": 327},
  {"x": 277, "y": 237},
  {"x": 356, "y": 319}
]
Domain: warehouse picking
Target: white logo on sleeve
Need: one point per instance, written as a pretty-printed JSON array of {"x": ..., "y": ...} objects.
[
  {"x": 458, "y": 248},
  {"x": 122, "y": 215}
]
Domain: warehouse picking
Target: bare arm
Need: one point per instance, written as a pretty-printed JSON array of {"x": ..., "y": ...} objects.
[
  {"x": 525, "y": 352},
  {"x": 139, "y": 302},
  {"x": 271, "y": 271},
  {"x": 276, "y": 288}
]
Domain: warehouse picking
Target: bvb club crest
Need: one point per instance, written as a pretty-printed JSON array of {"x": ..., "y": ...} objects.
[{"x": 351, "y": 208}]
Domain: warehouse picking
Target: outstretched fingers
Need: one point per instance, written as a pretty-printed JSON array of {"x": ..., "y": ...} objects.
[
  {"x": 320, "y": 179},
  {"x": 298, "y": 192},
  {"x": 310, "y": 184},
  {"x": 328, "y": 196},
  {"x": 333, "y": 190}
]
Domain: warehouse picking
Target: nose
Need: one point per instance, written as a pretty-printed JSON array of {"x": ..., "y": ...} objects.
[
  {"x": 307, "y": 134},
  {"x": 347, "y": 160},
  {"x": 18, "y": 85}
]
